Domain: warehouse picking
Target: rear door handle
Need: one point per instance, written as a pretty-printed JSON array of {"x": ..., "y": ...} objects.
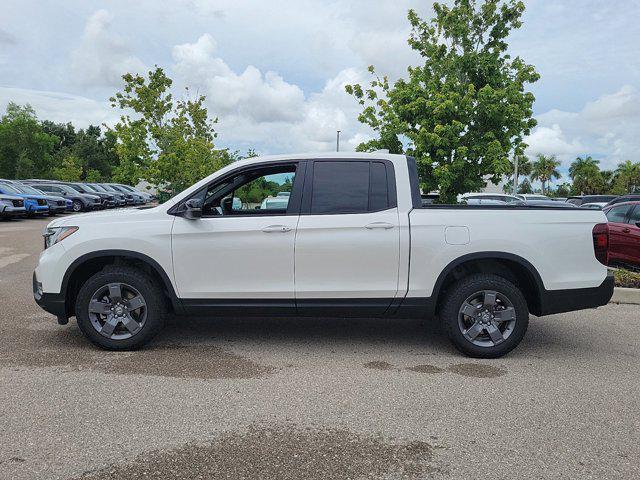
[
  {"x": 626, "y": 230},
  {"x": 384, "y": 225},
  {"x": 276, "y": 228}
]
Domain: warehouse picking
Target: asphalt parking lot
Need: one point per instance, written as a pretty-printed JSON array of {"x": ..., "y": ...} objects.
[{"x": 311, "y": 398}]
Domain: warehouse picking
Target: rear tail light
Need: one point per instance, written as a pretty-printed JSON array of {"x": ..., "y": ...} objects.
[{"x": 601, "y": 242}]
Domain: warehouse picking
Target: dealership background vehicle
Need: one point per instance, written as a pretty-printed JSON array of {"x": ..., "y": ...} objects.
[
  {"x": 56, "y": 204},
  {"x": 580, "y": 199},
  {"x": 33, "y": 204},
  {"x": 632, "y": 197},
  {"x": 594, "y": 205},
  {"x": 138, "y": 199},
  {"x": 353, "y": 240},
  {"x": 119, "y": 198},
  {"x": 624, "y": 235},
  {"x": 145, "y": 195},
  {"x": 488, "y": 198},
  {"x": 11, "y": 206},
  {"x": 543, "y": 203},
  {"x": 129, "y": 198},
  {"x": 80, "y": 202},
  {"x": 108, "y": 200},
  {"x": 532, "y": 196}
]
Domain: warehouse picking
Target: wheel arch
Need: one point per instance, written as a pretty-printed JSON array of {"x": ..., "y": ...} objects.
[
  {"x": 507, "y": 265},
  {"x": 86, "y": 265}
]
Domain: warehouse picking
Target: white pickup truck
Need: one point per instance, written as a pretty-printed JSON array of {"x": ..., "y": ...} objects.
[{"x": 352, "y": 239}]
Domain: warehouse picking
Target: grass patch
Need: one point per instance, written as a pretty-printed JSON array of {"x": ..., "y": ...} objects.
[{"x": 625, "y": 278}]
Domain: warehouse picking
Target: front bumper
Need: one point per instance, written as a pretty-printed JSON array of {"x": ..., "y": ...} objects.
[
  {"x": 560, "y": 301},
  {"x": 53, "y": 303},
  {"x": 13, "y": 211},
  {"x": 38, "y": 209}
]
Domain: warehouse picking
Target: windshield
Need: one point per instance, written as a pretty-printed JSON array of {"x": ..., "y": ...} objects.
[
  {"x": 98, "y": 188},
  {"x": 88, "y": 188},
  {"x": 27, "y": 189},
  {"x": 9, "y": 188},
  {"x": 67, "y": 188}
]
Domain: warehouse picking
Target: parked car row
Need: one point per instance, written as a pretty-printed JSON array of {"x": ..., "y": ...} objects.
[
  {"x": 597, "y": 202},
  {"x": 50, "y": 197}
]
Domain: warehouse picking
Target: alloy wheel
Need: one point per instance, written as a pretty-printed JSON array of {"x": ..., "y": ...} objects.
[
  {"x": 487, "y": 318},
  {"x": 117, "y": 311}
]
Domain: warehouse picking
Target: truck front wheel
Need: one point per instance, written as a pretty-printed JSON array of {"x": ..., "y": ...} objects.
[
  {"x": 120, "y": 308},
  {"x": 485, "y": 315}
]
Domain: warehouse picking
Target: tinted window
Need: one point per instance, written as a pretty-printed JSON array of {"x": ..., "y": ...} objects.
[
  {"x": 617, "y": 214},
  {"x": 379, "y": 196},
  {"x": 635, "y": 215},
  {"x": 340, "y": 187}
]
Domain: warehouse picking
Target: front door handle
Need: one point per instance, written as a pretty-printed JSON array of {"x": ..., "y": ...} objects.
[
  {"x": 276, "y": 228},
  {"x": 384, "y": 225},
  {"x": 626, "y": 230}
]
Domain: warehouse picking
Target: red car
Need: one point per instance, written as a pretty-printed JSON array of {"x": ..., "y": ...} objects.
[{"x": 624, "y": 235}]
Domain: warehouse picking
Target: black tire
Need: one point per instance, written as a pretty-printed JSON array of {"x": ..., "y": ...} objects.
[
  {"x": 156, "y": 306},
  {"x": 457, "y": 295},
  {"x": 77, "y": 206}
]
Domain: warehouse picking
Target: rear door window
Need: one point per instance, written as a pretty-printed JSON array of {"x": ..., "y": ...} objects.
[
  {"x": 350, "y": 187},
  {"x": 618, "y": 214},
  {"x": 634, "y": 218}
]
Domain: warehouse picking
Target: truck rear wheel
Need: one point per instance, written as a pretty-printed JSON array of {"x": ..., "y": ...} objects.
[
  {"x": 120, "y": 308},
  {"x": 485, "y": 316}
]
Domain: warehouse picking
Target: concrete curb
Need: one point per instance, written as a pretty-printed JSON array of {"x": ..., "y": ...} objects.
[{"x": 626, "y": 295}]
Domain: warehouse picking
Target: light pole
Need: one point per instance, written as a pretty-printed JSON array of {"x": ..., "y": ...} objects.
[{"x": 337, "y": 140}]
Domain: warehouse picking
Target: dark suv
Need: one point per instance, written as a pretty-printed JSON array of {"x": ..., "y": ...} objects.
[
  {"x": 632, "y": 197},
  {"x": 581, "y": 199}
]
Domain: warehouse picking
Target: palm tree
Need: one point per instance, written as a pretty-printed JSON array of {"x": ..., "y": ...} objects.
[
  {"x": 628, "y": 174},
  {"x": 524, "y": 167},
  {"x": 544, "y": 169},
  {"x": 586, "y": 176},
  {"x": 584, "y": 165}
]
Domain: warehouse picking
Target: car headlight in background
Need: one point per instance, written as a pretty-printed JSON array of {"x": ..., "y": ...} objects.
[{"x": 53, "y": 235}]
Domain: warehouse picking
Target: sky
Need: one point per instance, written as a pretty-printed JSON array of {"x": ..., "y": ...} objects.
[{"x": 274, "y": 72}]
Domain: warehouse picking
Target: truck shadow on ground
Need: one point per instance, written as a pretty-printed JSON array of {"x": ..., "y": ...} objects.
[{"x": 254, "y": 347}]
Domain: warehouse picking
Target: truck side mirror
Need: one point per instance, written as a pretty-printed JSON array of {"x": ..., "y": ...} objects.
[{"x": 193, "y": 209}]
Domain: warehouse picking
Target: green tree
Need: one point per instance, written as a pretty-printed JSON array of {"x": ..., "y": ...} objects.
[
  {"x": 168, "y": 143},
  {"x": 70, "y": 169},
  {"x": 563, "y": 190},
  {"x": 627, "y": 177},
  {"x": 466, "y": 110},
  {"x": 525, "y": 186},
  {"x": 586, "y": 176},
  {"x": 545, "y": 168},
  {"x": 25, "y": 148}
]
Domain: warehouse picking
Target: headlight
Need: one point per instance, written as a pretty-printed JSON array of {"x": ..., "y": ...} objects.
[{"x": 53, "y": 235}]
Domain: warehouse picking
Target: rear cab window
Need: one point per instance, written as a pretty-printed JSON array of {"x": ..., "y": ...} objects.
[{"x": 343, "y": 187}]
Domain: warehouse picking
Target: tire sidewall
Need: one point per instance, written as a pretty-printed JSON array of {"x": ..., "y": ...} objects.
[
  {"x": 140, "y": 281},
  {"x": 467, "y": 287}
]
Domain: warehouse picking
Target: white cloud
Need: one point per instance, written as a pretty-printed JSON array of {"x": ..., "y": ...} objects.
[
  {"x": 606, "y": 128},
  {"x": 264, "y": 109},
  {"x": 258, "y": 97},
  {"x": 61, "y": 107},
  {"x": 103, "y": 56}
]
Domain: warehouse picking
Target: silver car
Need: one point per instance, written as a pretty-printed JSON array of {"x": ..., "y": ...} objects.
[{"x": 11, "y": 206}]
